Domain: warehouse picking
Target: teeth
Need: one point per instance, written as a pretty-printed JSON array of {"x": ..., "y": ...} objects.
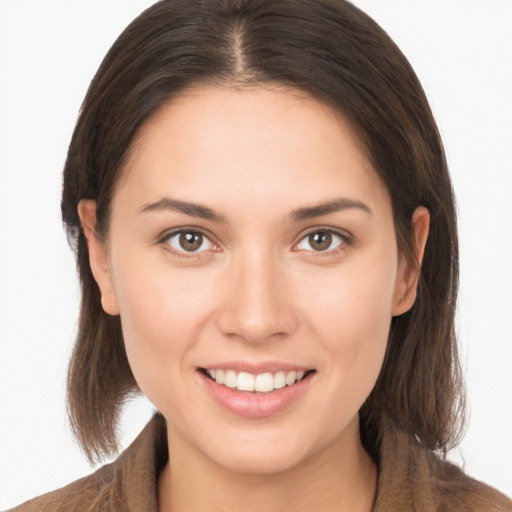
[
  {"x": 245, "y": 382},
  {"x": 290, "y": 378},
  {"x": 219, "y": 376},
  {"x": 230, "y": 379},
  {"x": 262, "y": 383},
  {"x": 279, "y": 380}
]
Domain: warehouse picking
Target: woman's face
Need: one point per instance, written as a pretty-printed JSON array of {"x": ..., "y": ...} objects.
[{"x": 251, "y": 241}]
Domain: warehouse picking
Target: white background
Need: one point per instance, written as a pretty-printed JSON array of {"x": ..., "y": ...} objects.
[{"x": 49, "y": 51}]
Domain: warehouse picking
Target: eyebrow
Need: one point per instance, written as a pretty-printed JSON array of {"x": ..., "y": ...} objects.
[
  {"x": 204, "y": 212},
  {"x": 192, "y": 209},
  {"x": 332, "y": 206}
]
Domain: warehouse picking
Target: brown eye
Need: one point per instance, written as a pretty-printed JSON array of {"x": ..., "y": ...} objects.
[
  {"x": 189, "y": 241},
  {"x": 321, "y": 241}
]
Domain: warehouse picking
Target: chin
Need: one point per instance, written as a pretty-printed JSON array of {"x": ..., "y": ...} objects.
[
  {"x": 261, "y": 462},
  {"x": 261, "y": 453}
]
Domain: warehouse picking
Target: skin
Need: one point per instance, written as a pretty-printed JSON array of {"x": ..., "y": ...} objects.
[{"x": 256, "y": 290}]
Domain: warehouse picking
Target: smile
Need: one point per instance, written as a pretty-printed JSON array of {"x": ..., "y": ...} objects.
[{"x": 261, "y": 383}]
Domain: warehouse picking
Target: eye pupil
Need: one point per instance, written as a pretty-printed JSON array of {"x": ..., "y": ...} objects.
[
  {"x": 191, "y": 241},
  {"x": 320, "y": 241}
]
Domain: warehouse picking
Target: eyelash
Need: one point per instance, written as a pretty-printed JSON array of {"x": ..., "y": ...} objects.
[
  {"x": 164, "y": 240},
  {"x": 346, "y": 240}
]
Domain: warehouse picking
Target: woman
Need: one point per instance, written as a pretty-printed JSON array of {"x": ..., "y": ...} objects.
[{"x": 254, "y": 204}]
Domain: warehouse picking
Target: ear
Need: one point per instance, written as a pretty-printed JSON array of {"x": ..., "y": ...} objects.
[
  {"x": 98, "y": 256},
  {"x": 409, "y": 271}
]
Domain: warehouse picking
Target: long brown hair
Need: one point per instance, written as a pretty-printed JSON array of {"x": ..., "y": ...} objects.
[{"x": 337, "y": 54}]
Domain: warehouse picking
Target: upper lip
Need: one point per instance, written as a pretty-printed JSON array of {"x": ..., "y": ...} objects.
[{"x": 256, "y": 368}]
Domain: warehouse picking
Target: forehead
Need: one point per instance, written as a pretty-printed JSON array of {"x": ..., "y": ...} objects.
[{"x": 257, "y": 141}]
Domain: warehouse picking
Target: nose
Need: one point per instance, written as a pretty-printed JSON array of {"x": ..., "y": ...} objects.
[{"x": 257, "y": 302}]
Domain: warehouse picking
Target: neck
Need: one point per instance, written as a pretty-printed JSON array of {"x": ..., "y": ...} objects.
[{"x": 341, "y": 477}]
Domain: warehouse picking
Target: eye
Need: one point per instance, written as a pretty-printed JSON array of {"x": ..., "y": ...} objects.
[
  {"x": 321, "y": 241},
  {"x": 189, "y": 241}
]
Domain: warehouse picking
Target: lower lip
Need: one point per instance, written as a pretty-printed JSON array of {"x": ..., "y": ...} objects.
[{"x": 255, "y": 405}]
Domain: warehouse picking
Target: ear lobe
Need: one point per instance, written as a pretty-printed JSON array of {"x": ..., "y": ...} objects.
[
  {"x": 409, "y": 271},
  {"x": 98, "y": 256}
]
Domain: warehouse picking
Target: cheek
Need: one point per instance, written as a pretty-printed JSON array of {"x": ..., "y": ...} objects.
[
  {"x": 162, "y": 314},
  {"x": 351, "y": 317}
]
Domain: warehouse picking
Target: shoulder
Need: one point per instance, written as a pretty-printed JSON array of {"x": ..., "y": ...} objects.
[
  {"x": 412, "y": 478},
  {"x": 456, "y": 491},
  {"x": 129, "y": 483},
  {"x": 93, "y": 492}
]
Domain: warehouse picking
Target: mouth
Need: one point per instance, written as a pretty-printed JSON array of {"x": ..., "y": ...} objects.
[{"x": 262, "y": 383}]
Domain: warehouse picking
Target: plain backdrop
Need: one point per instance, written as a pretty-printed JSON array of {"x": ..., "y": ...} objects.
[{"x": 49, "y": 51}]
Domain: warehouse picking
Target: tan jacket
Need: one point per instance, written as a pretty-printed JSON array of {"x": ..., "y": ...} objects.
[{"x": 409, "y": 482}]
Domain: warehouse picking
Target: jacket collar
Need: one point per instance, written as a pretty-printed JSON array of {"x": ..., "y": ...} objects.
[
  {"x": 411, "y": 478},
  {"x": 398, "y": 486}
]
